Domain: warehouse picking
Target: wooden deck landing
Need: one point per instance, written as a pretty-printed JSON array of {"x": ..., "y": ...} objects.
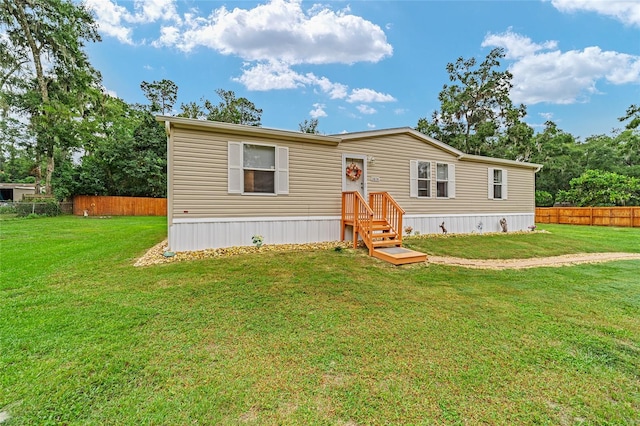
[{"x": 399, "y": 255}]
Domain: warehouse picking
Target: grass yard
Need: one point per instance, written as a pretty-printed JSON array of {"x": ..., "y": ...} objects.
[{"x": 322, "y": 337}]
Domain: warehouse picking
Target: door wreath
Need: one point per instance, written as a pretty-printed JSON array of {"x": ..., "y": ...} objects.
[{"x": 354, "y": 172}]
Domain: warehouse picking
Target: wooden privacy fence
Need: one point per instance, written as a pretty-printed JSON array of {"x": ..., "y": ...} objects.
[
  {"x": 119, "y": 206},
  {"x": 599, "y": 216}
]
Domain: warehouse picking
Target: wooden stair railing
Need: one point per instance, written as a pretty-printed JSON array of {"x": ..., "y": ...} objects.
[
  {"x": 386, "y": 209},
  {"x": 363, "y": 222},
  {"x": 378, "y": 223}
]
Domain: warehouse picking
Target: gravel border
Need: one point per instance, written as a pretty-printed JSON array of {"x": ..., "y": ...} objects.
[{"x": 155, "y": 256}]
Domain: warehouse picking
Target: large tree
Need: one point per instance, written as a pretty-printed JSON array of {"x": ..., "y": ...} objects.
[
  {"x": 561, "y": 156},
  {"x": 633, "y": 115},
  {"x": 475, "y": 109},
  {"x": 127, "y": 157},
  {"x": 43, "y": 43},
  {"x": 162, "y": 95},
  {"x": 230, "y": 109},
  {"x": 233, "y": 110},
  {"x": 309, "y": 126}
]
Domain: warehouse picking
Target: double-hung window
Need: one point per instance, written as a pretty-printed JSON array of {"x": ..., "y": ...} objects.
[
  {"x": 258, "y": 169},
  {"x": 442, "y": 180},
  {"x": 423, "y": 178},
  {"x": 497, "y": 184}
]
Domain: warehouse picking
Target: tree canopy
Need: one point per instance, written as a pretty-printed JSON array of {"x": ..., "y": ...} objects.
[
  {"x": 44, "y": 47},
  {"x": 475, "y": 109},
  {"x": 162, "y": 95}
]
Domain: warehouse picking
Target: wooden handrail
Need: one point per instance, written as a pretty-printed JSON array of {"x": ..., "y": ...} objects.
[
  {"x": 362, "y": 215},
  {"x": 386, "y": 208},
  {"x": 363, "y": 223}
]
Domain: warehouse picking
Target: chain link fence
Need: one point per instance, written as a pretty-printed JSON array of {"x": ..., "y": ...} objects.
[{"x": 36, "y": 207}]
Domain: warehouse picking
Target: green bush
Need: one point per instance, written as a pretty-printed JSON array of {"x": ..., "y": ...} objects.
[
  {"x": 601, "y": 188},
  {"x": 544, "y": 199},
  {"x": 7, "y": 209}
]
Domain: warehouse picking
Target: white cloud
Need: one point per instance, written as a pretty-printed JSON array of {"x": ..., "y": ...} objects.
[
  {"x": 281, "y": 30},
  {"x": 366, "y": 109},
  {"x": 278, "y": 75},
  {"x": 148, "y": 11},
  {"x": 626, "y": 11},
  {"x": 318, "y": 111},
  {"x": 334, "y": 90},
  {"x": 543, "y": 73},
  {"x": 117, "y": 21},
  {"x": 371, "y": 126},
  {"x": 271, "y": 38},
  {"x": 400, "y": 111},
  {"x": 547, "y": 116},
  {"x": 270, "y": 76},
  {"x": 516, "y": 45},
  {"x": 369, "y": 96},
  {"x": 110, "y": 17}
]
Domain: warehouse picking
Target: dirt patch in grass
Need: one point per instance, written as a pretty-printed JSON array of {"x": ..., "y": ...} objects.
[
  {"x": 155, "y": 255},
  {"x": 536, "y": 262}
]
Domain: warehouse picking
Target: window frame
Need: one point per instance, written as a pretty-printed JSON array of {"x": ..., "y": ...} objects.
[
  {"x": 428, "y": 179},
  {"x": 491, "y": 183},
  {"x": 258, "y": 169},
  {"x": 414, "y": 179},
  {"x": 236, "y": 169},
  {"x": 447, "y": 181}
]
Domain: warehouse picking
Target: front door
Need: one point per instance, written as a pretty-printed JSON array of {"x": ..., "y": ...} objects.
[{"x": 354, "y": 174}]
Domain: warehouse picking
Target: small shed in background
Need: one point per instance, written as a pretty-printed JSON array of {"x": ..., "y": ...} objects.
[{"x": 16, "y": 191}]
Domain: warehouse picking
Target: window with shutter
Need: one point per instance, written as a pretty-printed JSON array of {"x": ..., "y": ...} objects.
[
  {"x": 445, "y": 180},
  {"x": 257, "y": 169},
  {"x": 420, "y": 178}
]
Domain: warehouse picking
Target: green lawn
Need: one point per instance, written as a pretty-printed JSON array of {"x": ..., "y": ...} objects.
[{"x": 323, "y": 337}]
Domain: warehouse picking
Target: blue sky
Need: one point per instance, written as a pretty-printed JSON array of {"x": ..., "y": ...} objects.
[{"x": 362, "y": 65}]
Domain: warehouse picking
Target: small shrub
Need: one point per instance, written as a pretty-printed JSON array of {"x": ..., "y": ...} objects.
[
  {"x": 544, "y": 199},
  {"x": 8, "y": 209}
]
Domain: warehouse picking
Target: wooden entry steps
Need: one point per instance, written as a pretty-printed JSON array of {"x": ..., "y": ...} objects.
[
  {"x": 399, "y": 255},
  {"x": 379, "y": 223}
]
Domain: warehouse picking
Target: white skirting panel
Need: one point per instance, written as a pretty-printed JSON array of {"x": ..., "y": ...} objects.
[
  {"x": 200, "y": 234},
  {"x": 469, "y": 223}
]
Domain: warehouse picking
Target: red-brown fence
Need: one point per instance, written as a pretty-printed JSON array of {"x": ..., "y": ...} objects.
[
  {"x": 119, "y": 206},
  {"x": 599, "y": 216}
]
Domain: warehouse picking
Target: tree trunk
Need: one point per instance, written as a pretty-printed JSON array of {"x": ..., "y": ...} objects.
[{"x": 48, "y": 188}]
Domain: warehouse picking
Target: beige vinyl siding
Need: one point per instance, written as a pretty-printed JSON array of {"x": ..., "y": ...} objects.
[
  {"x": 392, "y": 165},
  {"x": 198, "y": 183},
  {"x": 200, "y": 179}
]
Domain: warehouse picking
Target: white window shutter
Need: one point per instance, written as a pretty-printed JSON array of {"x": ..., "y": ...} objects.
[
  {"x": 413, "y": 178},
  {"x": 504, "y": 184},
  {"x": 282, "y": 167},
  {"x": 234, "y": 168},
  {"x": 452, "y": 180},
  {"x": 433, "y": 184},
  {"x": 490, "y": 183}
]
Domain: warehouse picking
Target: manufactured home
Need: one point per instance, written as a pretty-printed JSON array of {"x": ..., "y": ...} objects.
[{"x": 228, "y": 182}]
